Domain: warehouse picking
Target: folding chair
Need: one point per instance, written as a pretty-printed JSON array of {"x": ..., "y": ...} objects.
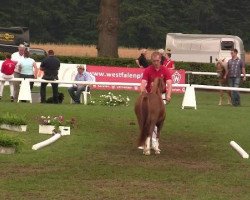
[{"x": 86, "y": 92}]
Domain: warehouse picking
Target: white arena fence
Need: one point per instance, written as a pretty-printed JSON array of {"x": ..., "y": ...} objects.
[
  {"x": 204, "y": 73},
  {"x": 207, "y": 87}
]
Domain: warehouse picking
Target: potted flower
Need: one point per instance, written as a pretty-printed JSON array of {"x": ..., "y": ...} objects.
[
  {"x": 13, "y": 122},
  {"x": 55, "y": 124},
  {"x": 45, "y": 125}
]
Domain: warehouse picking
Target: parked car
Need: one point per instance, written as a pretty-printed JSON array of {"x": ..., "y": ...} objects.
[{"x": 12, "y": 48}]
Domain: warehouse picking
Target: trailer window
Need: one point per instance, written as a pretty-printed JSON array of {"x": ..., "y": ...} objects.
[{"x": 227, "y": 45}]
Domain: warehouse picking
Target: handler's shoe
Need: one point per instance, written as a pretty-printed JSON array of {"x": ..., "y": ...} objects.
[{"x": 12, "y": 99}]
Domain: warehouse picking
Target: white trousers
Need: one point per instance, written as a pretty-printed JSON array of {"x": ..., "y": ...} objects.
[{"x": 11, "y": 83}]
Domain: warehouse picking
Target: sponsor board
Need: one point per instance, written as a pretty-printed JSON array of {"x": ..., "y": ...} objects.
[{"x": 67, "y": 72}]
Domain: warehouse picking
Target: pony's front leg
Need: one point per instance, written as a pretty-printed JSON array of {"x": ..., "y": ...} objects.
[
  {"x": 157, "y": 150},
  {"x": 146, "y": 150},
  {"x": 155, "y": 141}
]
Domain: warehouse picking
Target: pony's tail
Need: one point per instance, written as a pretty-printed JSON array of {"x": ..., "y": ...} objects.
[{"x": 145, "y": 125}]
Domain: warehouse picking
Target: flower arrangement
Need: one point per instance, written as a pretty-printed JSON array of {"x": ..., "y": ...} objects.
[
  {"x": 57, "y": 121},
  {"x": 111, "y": 100}
]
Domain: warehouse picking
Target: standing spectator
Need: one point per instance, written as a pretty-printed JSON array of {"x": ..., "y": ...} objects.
[
  {"x": 142, "y": 60},
  {"x": 76, "y": 90},
  {"x": 50, "y": 66},
  {"x": 168, "y": 63},
  {"x": 7, "y": 70},
  {"x": 235, "y": 67},
  {"x": 16, "y": 57},
  {"x": 27, "y": 67},
  {"x": 163, "y": 58}
]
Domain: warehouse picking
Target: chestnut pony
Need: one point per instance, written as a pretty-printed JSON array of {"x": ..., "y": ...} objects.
[{"x": 150, "y": 112}]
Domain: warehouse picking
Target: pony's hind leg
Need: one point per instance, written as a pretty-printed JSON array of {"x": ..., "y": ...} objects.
[
  {"x": 221, "y": 98},
  {"x": 229, "y": 100},
  {"x": 157, "y": 150},
  {"x": 146, "y": 150},
  {"x": 154, "y": 137},
  {"x": 155, "y": 141}
]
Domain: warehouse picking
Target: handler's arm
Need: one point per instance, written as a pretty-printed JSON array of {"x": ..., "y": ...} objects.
[
  {"x": 143, "y": 85},
  {"x": 169, "y": 88}
]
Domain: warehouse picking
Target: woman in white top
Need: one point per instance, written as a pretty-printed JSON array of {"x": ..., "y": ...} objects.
[{"x": 27, "y": 67}]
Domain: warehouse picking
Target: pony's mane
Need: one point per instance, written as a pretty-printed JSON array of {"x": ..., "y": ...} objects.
[{"x": 158, "y": 86}]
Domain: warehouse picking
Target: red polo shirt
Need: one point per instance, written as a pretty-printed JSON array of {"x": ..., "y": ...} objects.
[
  {"x": 8, "y": 67},
  {"x": 150, "y": 73}
]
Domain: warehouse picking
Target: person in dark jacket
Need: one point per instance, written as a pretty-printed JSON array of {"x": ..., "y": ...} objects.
[
  {"x": 142, "y": 60},
  {"x": 50, "y": 67}
]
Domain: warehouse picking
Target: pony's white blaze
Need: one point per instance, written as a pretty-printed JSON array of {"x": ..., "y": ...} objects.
[{"x": 239, "y": 149}]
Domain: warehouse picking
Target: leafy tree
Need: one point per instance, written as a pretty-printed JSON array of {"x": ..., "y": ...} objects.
[{"x": 143, "y": 23}]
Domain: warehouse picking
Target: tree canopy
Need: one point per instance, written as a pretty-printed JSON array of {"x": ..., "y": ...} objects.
[{"x": 143, "y": 23}]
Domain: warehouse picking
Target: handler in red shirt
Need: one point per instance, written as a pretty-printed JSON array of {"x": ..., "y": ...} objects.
[
  {"x": 7, "y": 70},
  {"x": 156, "y": 70}
]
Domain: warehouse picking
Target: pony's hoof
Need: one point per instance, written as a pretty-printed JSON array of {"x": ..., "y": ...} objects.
[
  {"x": 158, "y": 152},
  {"x": 146, "y": 153}
]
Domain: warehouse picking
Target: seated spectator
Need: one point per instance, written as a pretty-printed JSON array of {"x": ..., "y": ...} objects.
[
  {"x": 7, "y": 70},
  {"x": 76, "y": 90}
]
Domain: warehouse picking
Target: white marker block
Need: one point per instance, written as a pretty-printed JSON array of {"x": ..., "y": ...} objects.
[
  {"x": 46, "y": 142},
  {"x": 239, "y": 149}
]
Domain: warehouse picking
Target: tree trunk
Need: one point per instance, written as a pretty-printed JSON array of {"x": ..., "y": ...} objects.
[{"x": 107, "y": 25}]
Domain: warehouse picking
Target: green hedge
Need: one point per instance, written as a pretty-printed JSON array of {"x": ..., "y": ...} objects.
[{"x": 129, "y": 62}]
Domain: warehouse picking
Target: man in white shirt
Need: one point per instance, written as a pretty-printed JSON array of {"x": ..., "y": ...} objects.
[{"x": 17, "y": 57}]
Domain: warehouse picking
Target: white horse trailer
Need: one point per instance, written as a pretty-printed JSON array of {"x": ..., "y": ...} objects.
[{"x": 204, "y": 48}]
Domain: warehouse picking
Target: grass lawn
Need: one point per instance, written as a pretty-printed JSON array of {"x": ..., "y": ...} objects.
[{"x": 100, "y": 159}]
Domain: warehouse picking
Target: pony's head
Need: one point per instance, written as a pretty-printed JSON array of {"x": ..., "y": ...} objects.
[
  {"x": 222, "y": 62},
  {"x": 159, "y": 86}
]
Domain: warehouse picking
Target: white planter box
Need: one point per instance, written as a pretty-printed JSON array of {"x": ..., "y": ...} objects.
[
  {"x": 19, "y": 128},
  {"x": 65, "y": 130},
  {"x": 46, "y": 129},
  {"x": 7, "y": 150}
]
